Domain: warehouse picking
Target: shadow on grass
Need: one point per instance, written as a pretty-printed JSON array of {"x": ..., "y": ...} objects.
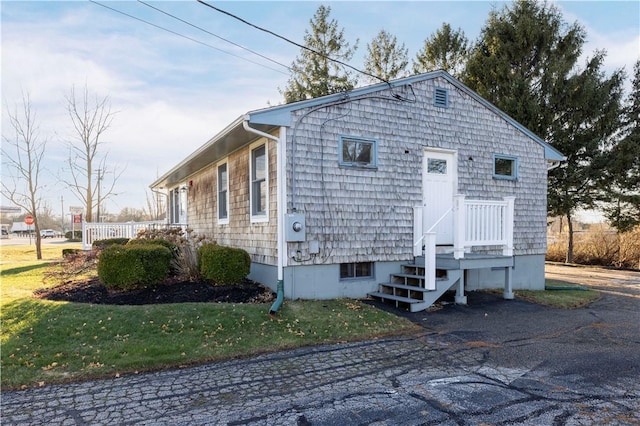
[{"x": 21, "y": 269}]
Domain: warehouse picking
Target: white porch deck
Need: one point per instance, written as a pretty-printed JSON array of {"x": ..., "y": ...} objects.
[{"x": 476, "y": 223}]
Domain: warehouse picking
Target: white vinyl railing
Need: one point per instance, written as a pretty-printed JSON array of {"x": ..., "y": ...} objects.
[
  {"x": 483, "y": 223},
  {"x": 475, "y": 223},
  {"x": 101, "y": 231}
]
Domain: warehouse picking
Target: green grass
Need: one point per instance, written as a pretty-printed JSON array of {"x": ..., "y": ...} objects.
[
  {"x": 49, "y": 342},
  {"x": 20, "y": 271},
  {"x": 565, "y": 299}
]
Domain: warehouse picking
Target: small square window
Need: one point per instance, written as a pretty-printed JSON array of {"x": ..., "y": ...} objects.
[
  {"x": 436, "y": 166},
  {"x": 505, "y": 167},
  {"x": 356, "y": 270},
  {"x": 356, "y": 152}
]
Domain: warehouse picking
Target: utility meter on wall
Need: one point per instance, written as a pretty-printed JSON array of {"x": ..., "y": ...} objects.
[{"x": 295, "y": 227}]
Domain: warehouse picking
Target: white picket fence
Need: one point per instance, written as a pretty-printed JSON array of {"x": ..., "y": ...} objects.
[{"x": 101, "y": 231}]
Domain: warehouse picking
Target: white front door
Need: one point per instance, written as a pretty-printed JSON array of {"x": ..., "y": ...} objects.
[{"x": 439, "y": 185}]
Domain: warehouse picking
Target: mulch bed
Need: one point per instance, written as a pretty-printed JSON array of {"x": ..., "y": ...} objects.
[{"x": 170, "y": 291}]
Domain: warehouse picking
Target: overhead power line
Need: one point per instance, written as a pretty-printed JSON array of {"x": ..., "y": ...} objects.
[
  {"x": 214, "y": 35},
  {"x": 290, "y": 41},
  {"x": 185, "y": 36}
]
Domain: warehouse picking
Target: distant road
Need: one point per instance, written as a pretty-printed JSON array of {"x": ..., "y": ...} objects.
[{"x": 24, "y": 241}]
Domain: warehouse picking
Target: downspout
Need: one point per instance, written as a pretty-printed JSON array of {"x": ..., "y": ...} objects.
[{"x": 280, "y": 197}]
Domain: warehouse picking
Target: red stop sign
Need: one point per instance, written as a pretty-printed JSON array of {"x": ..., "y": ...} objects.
[{"x": 28, "y": 219}]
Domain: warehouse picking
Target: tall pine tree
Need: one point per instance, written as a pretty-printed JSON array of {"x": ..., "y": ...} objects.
[
  {"x": 386, "y": 59},
  {"x": 314, "y": 72},
  {"x": 526, "y": 63},
  {"x": 621, "y": 188},
  {"x": 587, "y": 117},
  {"x": 446, "y": 49}
]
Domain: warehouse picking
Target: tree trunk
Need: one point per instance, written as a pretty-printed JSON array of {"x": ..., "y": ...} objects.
[
  {"x": 569, "y": 258},
  {"x": 38, "y": 241},
  {"x": 36, "y": 226},
  {"x": 89, "y": 214}
]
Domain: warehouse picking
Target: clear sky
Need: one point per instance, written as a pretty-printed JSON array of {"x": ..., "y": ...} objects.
[{"x": 172, "y": 94}]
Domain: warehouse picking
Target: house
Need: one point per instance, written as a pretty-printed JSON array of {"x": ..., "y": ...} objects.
[{"x": 400, "y": 191}]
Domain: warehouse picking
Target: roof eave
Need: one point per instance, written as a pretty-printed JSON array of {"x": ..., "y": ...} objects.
[{"x": 225, "y": 142}]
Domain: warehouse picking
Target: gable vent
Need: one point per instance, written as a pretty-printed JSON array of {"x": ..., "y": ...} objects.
[{"x": 441, "y": 97}]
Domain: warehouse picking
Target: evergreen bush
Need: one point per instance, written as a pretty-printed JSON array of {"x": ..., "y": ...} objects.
[
  {"x": 73, "y": 235},
  {"x": 155, "y": 241},
  {"x": 102, "y": 244},
  {"x": 185, "y": 263},
  {"x": 136, "y": 266},
  {"x": 223, "y": 265}
]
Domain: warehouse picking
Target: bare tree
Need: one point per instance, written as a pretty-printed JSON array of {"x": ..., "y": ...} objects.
[
  {"x": 156, "y": 205},
  {"x": 91, "y": 118},
  {"x": 23, "y": 154}
]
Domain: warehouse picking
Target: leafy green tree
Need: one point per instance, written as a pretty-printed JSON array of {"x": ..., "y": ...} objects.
[
  {"x": 320, "y": 68},
  {"x": 386, "y": 59},
  {"x": 622, "y": 183},
  {"x": 526, "y": 63},
  {"x": 446, "y": 49}
]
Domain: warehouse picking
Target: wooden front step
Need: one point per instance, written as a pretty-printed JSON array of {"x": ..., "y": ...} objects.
[
  {"x": 414, "y": 305},
  {"x": 407, "y": 289}
]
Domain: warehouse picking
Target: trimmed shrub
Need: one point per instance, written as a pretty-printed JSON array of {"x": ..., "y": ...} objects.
[
  {"x": 103, "y": 244},
  {"x": 185, "y": 264},
  {"x": 75, "y": 235},
  {"x": 155, "y": 241},
  {"x": 223, "y": 265},
  {"x": 137, "y": 266}
]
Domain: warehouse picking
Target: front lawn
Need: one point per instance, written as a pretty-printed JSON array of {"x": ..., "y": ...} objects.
[{"x": 47, "y": 342}]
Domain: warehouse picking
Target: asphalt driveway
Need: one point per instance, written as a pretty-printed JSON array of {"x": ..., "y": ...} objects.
[{"x": 490, "y": 362}]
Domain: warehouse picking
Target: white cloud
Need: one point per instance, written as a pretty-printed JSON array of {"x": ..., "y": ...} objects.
[
  {"x": 622, "y": 44},
  {"x": 165, "y": 108},
  {"x": 171, "y": 94}
]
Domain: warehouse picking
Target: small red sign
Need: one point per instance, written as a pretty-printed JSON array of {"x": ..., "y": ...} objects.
[
  {"x": 77, "y": 218},
  {"x": 28, "y": 219}
]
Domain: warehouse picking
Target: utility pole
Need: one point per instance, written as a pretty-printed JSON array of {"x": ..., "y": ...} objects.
[{"x": 62, "y": 213}]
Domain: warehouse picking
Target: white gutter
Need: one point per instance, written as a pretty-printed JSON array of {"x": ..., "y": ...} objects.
[
  {"x": 280, "y": 202},
  {"x": 553, "y": 164}
]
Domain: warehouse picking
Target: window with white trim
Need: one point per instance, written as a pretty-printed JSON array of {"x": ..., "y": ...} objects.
[
  {"x": 223, "y": 193},
  {"x": 178, "y": 205},
  {"x": 357, "y": 152},
  {"x": 259, "y": 188},
  {"x": 505, "y": 167}
]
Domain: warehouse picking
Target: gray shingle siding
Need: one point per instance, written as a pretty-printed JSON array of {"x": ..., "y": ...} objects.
[{"x": 367, "y": 215}]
